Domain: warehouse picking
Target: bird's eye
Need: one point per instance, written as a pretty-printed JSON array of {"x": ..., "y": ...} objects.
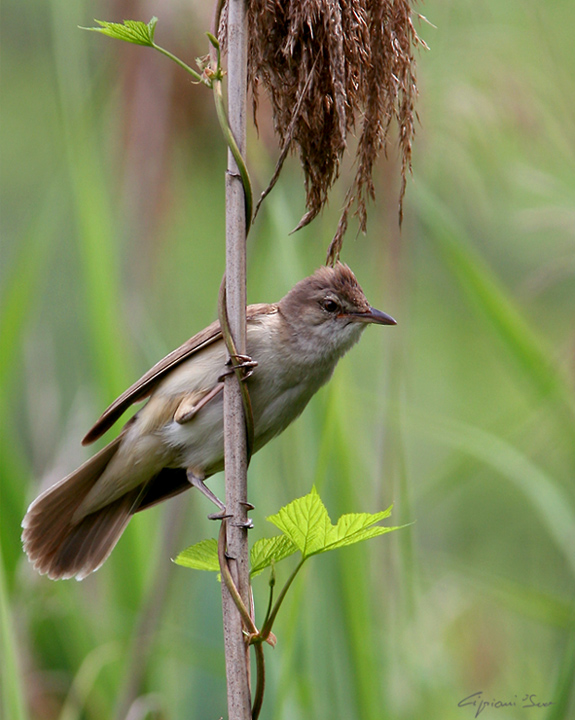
[{"x": 330, "y": 305}]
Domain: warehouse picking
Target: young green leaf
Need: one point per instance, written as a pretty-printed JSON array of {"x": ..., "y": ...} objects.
[
  {"x": 132, "y": 31},
  {"x": 306, "y": 527},
  {"x": 306, "y": 522},
  {"x": 268, "y": 550},
  {"x": 201, "y": 556},
  {"x": 204, "y": 555},
  {"x": 355, "y": 527}
]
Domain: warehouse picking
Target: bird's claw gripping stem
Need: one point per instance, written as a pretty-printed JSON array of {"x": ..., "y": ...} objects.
[
  {"x": 246, "y": 524},
  {"x": 242, "y": 362}
]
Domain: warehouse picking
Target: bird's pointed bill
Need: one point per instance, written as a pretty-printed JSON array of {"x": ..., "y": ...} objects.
[{"x": 373, "y": 316}]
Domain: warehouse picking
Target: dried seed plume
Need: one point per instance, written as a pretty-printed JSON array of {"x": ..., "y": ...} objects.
[{"x": 327, "y": 65}]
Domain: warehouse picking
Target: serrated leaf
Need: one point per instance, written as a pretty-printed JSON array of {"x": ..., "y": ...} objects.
[
  {"x": 306, "y": 523},
  {"x": 355, "y": 527},
  {"x": 268, "y": 550},
  {"x": 201, "y": 556},
  {"x": 133, "y": 31},
  {"x": 364, "y": 534},
  {"x": 306, "y": 527}
]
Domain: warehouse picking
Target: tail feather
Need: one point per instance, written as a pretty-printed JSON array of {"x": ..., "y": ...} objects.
[
  {"x": 88, "y": 544},
  {"x": 60, "y": 547}
]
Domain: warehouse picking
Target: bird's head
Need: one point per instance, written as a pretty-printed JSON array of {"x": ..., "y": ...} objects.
[{"x": 329, "y": 310}]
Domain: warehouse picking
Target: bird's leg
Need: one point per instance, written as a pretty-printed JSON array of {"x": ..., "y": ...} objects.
[
  {"x": 243, "y": 362},
  {"x": 190, "y": 405},
  {"x": 197, "y": 481}
]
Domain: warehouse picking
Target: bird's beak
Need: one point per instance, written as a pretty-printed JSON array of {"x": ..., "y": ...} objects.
[{"x": 373, "y": 316}]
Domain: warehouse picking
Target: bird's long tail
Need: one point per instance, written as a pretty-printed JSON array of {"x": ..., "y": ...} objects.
[{"x": 60, "y": 547}]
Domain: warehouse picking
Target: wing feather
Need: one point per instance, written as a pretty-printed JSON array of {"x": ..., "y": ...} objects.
[{"x": 143, "y": 387}]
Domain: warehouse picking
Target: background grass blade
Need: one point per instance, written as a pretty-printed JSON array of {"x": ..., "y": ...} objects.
[
  {"x": 552, "y": 505},
  {"x": 528, "y": 349},
  {"x": 11, "y": 685}
]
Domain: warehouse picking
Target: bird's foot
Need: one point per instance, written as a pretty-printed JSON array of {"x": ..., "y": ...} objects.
[
  {"x": 197, "y": 481},
  {"x": 221, "y": 515},
  {"x": 247, "y": 524},
  {"x": 242, "y": 362}
]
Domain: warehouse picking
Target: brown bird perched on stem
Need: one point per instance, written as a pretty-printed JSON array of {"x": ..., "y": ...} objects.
[{"x": 176, "y": 440}]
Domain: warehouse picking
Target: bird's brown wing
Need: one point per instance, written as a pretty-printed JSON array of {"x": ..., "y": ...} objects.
[{"x": 146, "y": 384}]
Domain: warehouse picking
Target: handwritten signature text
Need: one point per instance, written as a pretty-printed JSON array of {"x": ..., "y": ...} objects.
[{"x": 476, "y": 700}]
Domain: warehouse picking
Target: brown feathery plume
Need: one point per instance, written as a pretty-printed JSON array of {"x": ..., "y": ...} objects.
[{"x": 325, "y": 63}]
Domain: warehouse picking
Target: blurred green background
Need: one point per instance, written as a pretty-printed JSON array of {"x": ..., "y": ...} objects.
[{"x": 462, "y": 416}]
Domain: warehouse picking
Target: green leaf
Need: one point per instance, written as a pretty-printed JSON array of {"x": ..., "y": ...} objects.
[
  {"x": 305, "y": 521},
  {"x": 133, "y": 31},
  {"x": 355, "y": 527},
  {"x": 204, "y": 555},
  {"x": 268, "y": 550},
  {"x": 307, "y": 524},
  {"x": 306, "y": 527},
  {"x": 213, "y": 40},
  {"x": 201, "y": 556},
  {"x": 152, "y": 27}
]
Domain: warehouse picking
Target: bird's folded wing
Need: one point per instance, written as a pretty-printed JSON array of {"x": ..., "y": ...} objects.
[{"x": 146, "y": 384}]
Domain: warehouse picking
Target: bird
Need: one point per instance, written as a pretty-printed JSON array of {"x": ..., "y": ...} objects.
[{"x": 176, "y": 440}]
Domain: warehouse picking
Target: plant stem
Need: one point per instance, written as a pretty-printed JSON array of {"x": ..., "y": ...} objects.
[
  {"x": 233, "y": 352},
  {"x": 236, "y": 648},
  {"x": 182, "y": 64},
  {"x": 229, "y": 581},
  {"x": 261, "y": 680},
  {"x": 271, "y": 600},
  {"x": 233, "y": 148},
  {"x": 269, "y": 621}
]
